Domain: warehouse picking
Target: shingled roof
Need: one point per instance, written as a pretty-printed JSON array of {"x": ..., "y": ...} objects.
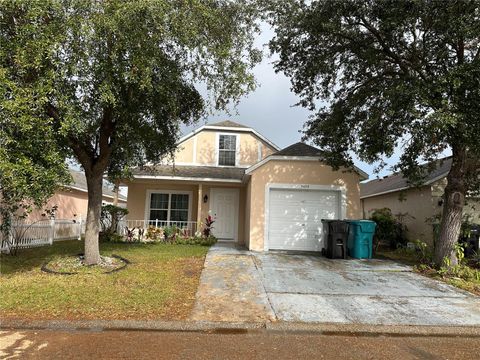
[
  {"x": 80, "y": 183},
  {"x": 299, "y": 149},
  {"x": 196, "y": 172},
  {"x": 228, "y": 123},
  {"x": 397, "y": 182}
]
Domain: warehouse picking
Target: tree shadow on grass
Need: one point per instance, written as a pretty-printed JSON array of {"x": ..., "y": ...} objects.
[{"x": 33, "y": 258}]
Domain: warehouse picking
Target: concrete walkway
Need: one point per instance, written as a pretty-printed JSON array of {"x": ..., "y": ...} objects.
[
  {"x": 231, "y": 288},
  {"x": 238, "y": 285}
]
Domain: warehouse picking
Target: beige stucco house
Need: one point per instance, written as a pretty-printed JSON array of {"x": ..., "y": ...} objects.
[
  {"x": 420, "y": 207},
  {"x": 260, "y": 196},
  {"x": 71, "y": 200}
]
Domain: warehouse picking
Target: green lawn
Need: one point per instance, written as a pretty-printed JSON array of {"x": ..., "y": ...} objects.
[
  {"x": 465, "y": 277},
  {"x": 400, "y": 255},
  {"x": 160, "y": 283}
]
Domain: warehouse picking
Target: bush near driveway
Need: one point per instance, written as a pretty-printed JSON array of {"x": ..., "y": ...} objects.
[{"x": 160, "y": 283}]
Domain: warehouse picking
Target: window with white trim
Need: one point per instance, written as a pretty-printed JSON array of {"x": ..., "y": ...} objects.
[
  {"x": 169, "y": 206},
  {"x": 227, "y": 150}
]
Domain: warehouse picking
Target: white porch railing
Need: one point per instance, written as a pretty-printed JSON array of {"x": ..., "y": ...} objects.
[
  {"x": 24, "y": 234},
  {"x": 188, "y": 228}
]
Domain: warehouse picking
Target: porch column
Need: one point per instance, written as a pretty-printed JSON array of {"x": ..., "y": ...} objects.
[{"x": 199, "y": 203}]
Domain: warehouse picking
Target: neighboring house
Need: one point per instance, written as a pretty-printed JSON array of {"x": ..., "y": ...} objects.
[
  {"x": 72, "y": 199},
  {"x": 259, "y": 195},
  {"x": 419, "y": 207}
]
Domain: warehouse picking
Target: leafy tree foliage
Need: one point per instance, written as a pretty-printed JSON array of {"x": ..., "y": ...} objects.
[
  {"x": 393, "y": 74},
  {"x": 31, "y": 165},
  {"x": 116, "y": 78}
]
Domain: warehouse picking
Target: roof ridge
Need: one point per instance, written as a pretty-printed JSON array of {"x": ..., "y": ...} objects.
[
  {"x": 299, "y": 148},
  {"x": 397, "y": 181},
  {"x": 228, "y": 123}
]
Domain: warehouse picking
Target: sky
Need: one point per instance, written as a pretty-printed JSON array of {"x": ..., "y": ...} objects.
[{"x": 270, "y": 109}]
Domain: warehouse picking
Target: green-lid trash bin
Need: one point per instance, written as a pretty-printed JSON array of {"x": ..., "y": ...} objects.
[{"x": 360, "y": 239}]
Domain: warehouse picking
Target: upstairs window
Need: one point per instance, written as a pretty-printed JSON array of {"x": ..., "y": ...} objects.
[{"x": 227, "y": 149}]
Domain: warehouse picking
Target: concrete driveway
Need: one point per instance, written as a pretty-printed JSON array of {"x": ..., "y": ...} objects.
[{"x": 238, "y": 285}]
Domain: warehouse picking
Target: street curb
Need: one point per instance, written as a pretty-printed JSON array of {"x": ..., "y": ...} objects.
[
  {"x": 375, "y": 330},
  {"x": 129, "y": 325},
  {"x": 242, "y": 327}
]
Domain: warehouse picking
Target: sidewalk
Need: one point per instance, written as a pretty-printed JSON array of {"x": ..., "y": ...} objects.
[{"x": 230, "y": 288}]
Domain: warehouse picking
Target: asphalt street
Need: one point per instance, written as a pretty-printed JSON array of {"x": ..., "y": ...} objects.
[{"x": 228, "y": 344}]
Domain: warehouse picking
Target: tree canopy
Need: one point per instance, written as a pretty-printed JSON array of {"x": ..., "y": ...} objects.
[
  {"x": 116, "y": 78},
  {"x": 383, "y": 75},
  {"x": 31, "y": 165}
]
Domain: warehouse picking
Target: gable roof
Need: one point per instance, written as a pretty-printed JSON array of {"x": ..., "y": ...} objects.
[
  {"x": 396, "y": 181},
  {"x": 80, "y": 183},
  {"x": 228, "y": 125},
  {"x": 184, "y": 172},
  {"x": 299, "y": 151}
]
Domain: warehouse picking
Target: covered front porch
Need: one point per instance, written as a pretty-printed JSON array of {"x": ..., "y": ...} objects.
[{"x": 186, "y": 204}]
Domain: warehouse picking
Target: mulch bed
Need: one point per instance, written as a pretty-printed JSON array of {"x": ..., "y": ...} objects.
[{"x": 76, "y": 261}]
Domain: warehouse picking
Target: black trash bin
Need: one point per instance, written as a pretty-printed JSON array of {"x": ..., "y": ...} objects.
[
  {"x": 471, "y": 241},
  {"x": 337, "y": 238}
]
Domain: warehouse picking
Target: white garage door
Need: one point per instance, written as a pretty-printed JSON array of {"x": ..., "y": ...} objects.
[{"x": 295, "y": 218}]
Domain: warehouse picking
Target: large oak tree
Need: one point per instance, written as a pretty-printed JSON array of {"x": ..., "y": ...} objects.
[
  {"x": 392, "y": 74},
  {"x": 116, "y": 78}
]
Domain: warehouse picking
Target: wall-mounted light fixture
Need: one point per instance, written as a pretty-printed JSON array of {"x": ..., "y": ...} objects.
[{"x": 205, "y": 198}]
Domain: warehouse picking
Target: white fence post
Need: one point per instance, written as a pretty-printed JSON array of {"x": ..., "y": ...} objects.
[
  {"x": 10, "y": 243},
  {"x": 51, "y": 231},
  {"x": 80, "y": 227}
]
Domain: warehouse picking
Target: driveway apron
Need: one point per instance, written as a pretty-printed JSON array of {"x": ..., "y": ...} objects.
[
  {"x": 238, "y": 285},
  {"x": 315, "y": 289},
  {"x": 231, "y": 288}
]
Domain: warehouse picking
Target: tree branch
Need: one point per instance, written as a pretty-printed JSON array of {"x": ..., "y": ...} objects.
[
  {"x": 83, "y": 154},
  {"x": 386, "y": 49}
]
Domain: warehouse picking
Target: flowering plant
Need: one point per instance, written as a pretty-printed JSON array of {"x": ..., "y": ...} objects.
[{"x": 207, "y": 230}]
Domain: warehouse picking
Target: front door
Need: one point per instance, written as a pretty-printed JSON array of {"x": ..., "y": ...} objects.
[{"x": 224, "y": 209}]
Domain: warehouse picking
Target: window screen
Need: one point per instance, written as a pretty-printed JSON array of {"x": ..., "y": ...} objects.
[
  {"x": 179, "y": 207},
  {"x": 169, "y": 207},
  {"x": 227, "y": 148},
  {"x": 159, "y": 207}
]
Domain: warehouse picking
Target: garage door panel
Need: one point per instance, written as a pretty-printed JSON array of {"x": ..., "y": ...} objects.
[{"x": 295, "y": 217}]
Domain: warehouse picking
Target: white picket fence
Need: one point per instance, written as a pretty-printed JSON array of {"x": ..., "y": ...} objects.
[{"x": 25, "y": 234}]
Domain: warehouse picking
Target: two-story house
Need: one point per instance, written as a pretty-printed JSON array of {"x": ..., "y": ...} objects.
[{"x": 259, "y": 195}]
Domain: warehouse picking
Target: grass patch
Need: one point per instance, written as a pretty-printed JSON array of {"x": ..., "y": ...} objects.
[
  {"x": 462, "y": 276},
  {"x": 401, "y": 255},
  {"x": 160, "y": 283},
  {"x": 472, "y": 286}
]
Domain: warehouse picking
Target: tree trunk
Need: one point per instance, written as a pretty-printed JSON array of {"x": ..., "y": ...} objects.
[
  {"x": 94, "y": 185},
  {"x": 116, "y": 188},
  {"x": 454, "y": 201}
]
